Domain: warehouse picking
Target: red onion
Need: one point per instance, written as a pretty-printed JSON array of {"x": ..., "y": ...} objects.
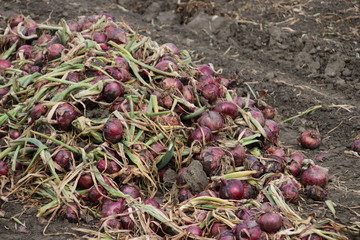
[
  {"x": 108, "y": 166},
  {"x": 184, "y": 194},
  {"x": 132, "y": 191},
  {"x": 180, "y": 180},
  {"x": 152, "y": 202},
  {"x": 71, "y": 212},
  {"x": 171, "y": 119},
  {"x": 238, "y": 154},
  {"x": 218, "y": 228},
  {"x": 227, "y": 235},
  {"x": 274, "y": 164},
  {"x": 248, "y": 230},
  {"x": 276, "y": 151},
  {"x": 74, "y": 77},
  {"x": 201, "y": 134},
  {"x": 316, "y": 193},
  {"x": 250, "y": 191},
  {"x": 26, "y": 50},
  {"x": 4, "y": 91},
  {"x": 15, "y": 20},
  {"x": 109, "y": 207},
  {"x": 211, "y": 119},
  {"x": 268, "y": 112},
  {"x": 210, "y": 92},
  {"x": 227, "y": 108},
  {"x": 195, "y": 230},
  {"x": 188, "y": 93},
  {"x": 54, "y": 51},
  {"x": 99, "y": 37},
  {"x": 30, "y": 27},
  {"x": 121, "y": 63},
  {"x": 85, "y": 181},
  {"x": 64, "y": 115},
  {"x": 112, "y": 90},
  {"x": 298, "y": 157},
  {"x": 211, "y": 160},
  {"x": 44, "y": 39},
  {"x": 96, "y": 194},
  {"x": 116, "y": 34},
  {"x": 126, "y": 220},
  {"x": 270, "y": 222},
  {"x": 166, "y": 66},
  {"x": 63, "y": 158},
  {"x": 258, "y": 116},
  {"x": 310, "y": 139},
  {"x": 241, "y": 102},
  {"x": 294, "y": 168},
  {"x": 247, "y": 213},
  {"x": 315, "y": 175},
  {"x": 157, "y": 148},
  {"x": 355, "y": 146},
  {"x": 252, "y": 163},
  {"x": 168, "y": 83},
  {"x": 14, "y": 134},
  {"x": 37, "y": 111},
  {"x": 172, "y": 47},
  {"x": 223, "y": 81},
  {"x": 4, "y": 64},
  {"x": 231, "y": 189},
  {"x": 113, "y": 130},
  {"x": 206, "y": 70},
  {"x": 108, "y": 17},
  {"x": 290, "y": 192},
  {"x": 4, "y": 168}
]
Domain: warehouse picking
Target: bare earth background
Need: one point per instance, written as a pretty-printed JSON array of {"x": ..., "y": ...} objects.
[{"x": 302, "y": 53}]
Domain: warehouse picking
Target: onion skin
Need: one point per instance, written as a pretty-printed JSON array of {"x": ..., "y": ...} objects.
[
  {"x": 85, "y": 181},
  {"x": 63, "y": 158},
  {"x": 188, "y": 93},
  {"x": 310, "y": 139},
  {"x": 112, "y": 91},
  {"x": 211, "y": 160},
  {"x": 180, "y": 180},
  {"x": 116, "y": 34},
  {"x": 227, "y": 108},
  {"x": 54, "y": 51},
  {"x": 298, "y": 157},
  {"x": 71, "y": 212},
  {"x": 166, "y": 66},
  {"x": 238, "y": 154},
  {"x": 108, "y": 166},
  {"x": 64, "y": 115},
  {"x": 132, "y": 191},
  {"x": 210, "y": 92},
  {"x": 169, "y": 83},
  {"x": 113, "y": 130},
  {"x": 4, "y": 168},
  {"x": 15, "y": 20},
  {"x": 227, "y": 235},
  {"x": 290, "y": 192},
  {"x": 211, "y": 119},
  {"x": 270, "y": 222},
  {"x": 4, "y": 64},
  {"x": 152, "y": 202},
  {"x": 172, "y": 47},
  {"x": 126, "y": 221},
  {"x": 201, "y": 134},
  {"x": 249, "y": 230},
  {"x": 250, "y": 191},
  {"x": 231, "y": 189},
  {"x": 315, "y": 175},
  {"x": 316, "y": 193},
  {"x": 184, "y": 194},
  {"x": 110, "y": 207},
  {"x": 355, "y": 146},
  {"x": 96, "y": 194},
  {"x": 195, "y": 230},
  {"x": 14, "y": 134}
]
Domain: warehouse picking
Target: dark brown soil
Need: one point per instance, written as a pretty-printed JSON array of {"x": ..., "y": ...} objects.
[{"x": 301, "y": 53}]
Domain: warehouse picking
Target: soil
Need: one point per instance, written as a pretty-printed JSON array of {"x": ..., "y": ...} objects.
[{"x": 295, "y": 54}]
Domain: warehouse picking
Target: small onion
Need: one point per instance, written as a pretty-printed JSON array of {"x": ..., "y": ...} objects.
[
  {"x": 113, "y": 130},
  {"x": 316, "y": 193},
  {"x": 112, "y": 91},
  {"x": 64, "y": 115},
  {"x": 270, "y": 222},
  {"x": 116, "y": 34},
  {"x": 231, "y": 189},
  {"x": 152, "y": 202},
  {"x": 71, "y": 212},
  {"x": 290, "y": 192},
  {"x": 4, "y": 168},
  {"x": 210, "y": 92},
  {"x": 211, "y": 160},
  {"x": 310, "y": 139},
  {"x": 109, "y": 207},
  {"x": 37, "y": 111},
  {"x": 126, "y": 220},
  {"x": 227, "y": 108},
  {"x": 211, "y": 119},
  {"x": 195, "y": 230},
  {"x": 166, "y": 66},
  {"x": 132, "y": 191},
  {"x": 108, "y": 166},
  {"x": 85, "y": 181},
  {"x": 315, "y": 175},
  {"x": 4, "y": 64},
  {"x": 355, "y": 146},
  {"x": 169, "y": 83},
  {"x": 238, "y": 154},
  {"x": 249, "y": 230},
  {"x": 54, "y": 51},
  {"x": 63, "y": 158},
  {"x": 201, "y": 134},
  {"x": 184, "y": 194}
]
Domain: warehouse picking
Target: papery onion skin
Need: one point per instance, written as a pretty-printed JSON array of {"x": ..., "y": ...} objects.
[
  {"x": 315, "y": 175},
  {"x": 310, "y": 139},
  {"x": 270, "y": 222}
]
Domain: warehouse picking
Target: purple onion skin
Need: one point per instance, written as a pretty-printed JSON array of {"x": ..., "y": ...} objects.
[
  {"x": 268, "y": 112},
  {"x": 248, "y": 230},
  {"x": 310, "y": 139},
  {"x": 112, "y": 91},
  {"x": 290, "y": 192},
  {"x": 4, "y": 168},
  {"x": 250, "y": 192},
  {"x": 110, "y": 207},
  {"x": 99, "y": 37},
  {"x": 206, "y": 70},
  {"x": 121, "y": 63},
  {"x": 227, "y": 108},
  {"x": 173, "y": 48},
  {"x": 126, "y": 221},
  {"x": 227, "y": 235},
  {"x": 4, "y": 91},
  {"x": 4, "y": 64},
  {"x": 238, "y": 154},
  {"x": 108, "y": 166},
  {"x": 166, "y": 66},
  {"x": 184, "y": 194},
  {"x": 15, "y": 20},
  {"x": 85, "y": 181},
  {"x": 315, "y": 175},
  {"x": 298, "y": 157},
  {"x": 231, "y": 189},
  {"x": 132, "y": 191},
  {"x": 270, "y": 222},
  {"x": 294, "y": 168},
  {"x": 63, "y": 158},
  {"x": 218, "y": 228},
  {"x": 202, "y": 134},
  {"x": 180, "y": 176},
  {"x": 355, "y": 146},
  {"x": 188, "y": 93},
  {"x": 152, "y": 202},
  {"x": 274, "y": 164},
  {"x": 96, "y": 194},
  {"x": 195, "y": 230},
  {"x": 258, "y": 116},
  {"x": 14, "y": 134},
  {"x": 252, "y": 163},
  {"x": 316, "y": 193},
  {"x": 71, "y": 212},
  {"x": 169, "y": 83},
  {"x": 210, "y": 92},
  {"x": 64, "y": 115},
  {"x": 74, "y": 77},
  {"x": 54, "y": 51},
  {"x": 113, "y": 130},
  {"x": 211, "y": 160},
  {"x": 241, "y": 102},
  {"x": 211, "y": 119},
  {"x": 116, "y": 34},
  {"x": 247, "y": 213}
]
